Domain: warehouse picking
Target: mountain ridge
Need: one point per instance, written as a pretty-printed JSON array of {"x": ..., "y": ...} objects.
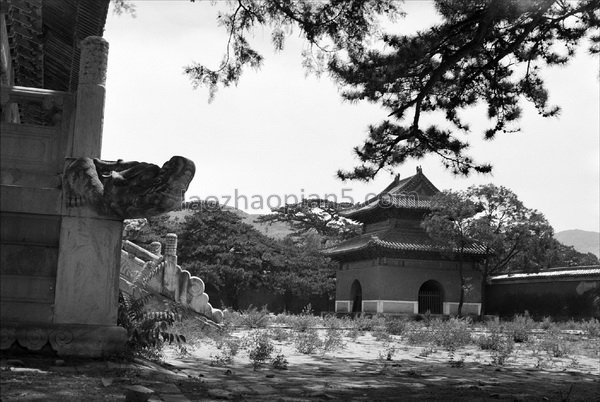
[
  {"x": 276, "y": 230},
  {"x": 583, "y": 241}
]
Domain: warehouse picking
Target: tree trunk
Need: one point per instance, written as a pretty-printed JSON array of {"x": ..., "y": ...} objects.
[
  {"x": 234, "y": 300},
  {"x": 484, "y": 275},
  {"x": 462, "y": 285},
  {"x": 288, "y": 298}
]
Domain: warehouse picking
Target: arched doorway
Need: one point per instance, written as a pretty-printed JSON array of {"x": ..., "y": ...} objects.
[
  {"x": 356, "y": 296},
  {"x": 431, "y": 298}
]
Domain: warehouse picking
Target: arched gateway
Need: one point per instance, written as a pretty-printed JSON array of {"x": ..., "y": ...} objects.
[{"x": 431, "y": 298}]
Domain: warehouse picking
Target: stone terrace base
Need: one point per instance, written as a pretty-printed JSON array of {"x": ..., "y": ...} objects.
[{"x": 66, "y": 339}]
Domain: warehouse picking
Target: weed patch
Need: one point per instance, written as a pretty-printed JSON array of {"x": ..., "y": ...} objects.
[
  {"x": 520, "y": 328},
  {"x": 308, "y": 342},
  {"x": 254, "y": 318},
  {"x": 260, "y": 347}
]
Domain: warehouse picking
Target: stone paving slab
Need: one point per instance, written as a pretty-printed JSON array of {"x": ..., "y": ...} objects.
[{"x": 198, "y": 381}]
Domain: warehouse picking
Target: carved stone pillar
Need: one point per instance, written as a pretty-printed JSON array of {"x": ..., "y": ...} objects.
[
  {"x": 91, "y": 92},
  {"x": 87, "y": 279},
  {"x": 171, "y": 246},
  {"x": 156, "y": 248},
  {"x": 171, "y": 279}
]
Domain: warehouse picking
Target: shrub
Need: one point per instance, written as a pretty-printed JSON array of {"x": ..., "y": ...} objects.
[
  {"x": 556, "y": 348},
  {"x": 308, "y": 342},
  {"x": 333, "y": 340},
  {"x": 520, "y": 327},
  {"x": 229, "y": 349},
  {"x": 259, "y": 347},
  {"x": 388, "y": 352},
  {"x": 148, "y": 329},
  {"x": 230, "y": 344},
  {"x": 502, "y": 351},
  {"x": 571, "y": 324},
  {"x": 499, "y": 344},
  {"x": 494, "y": 340},
  {"x": 426, "y": 351},
  {"x": 254, "y": 318},
  {"x": 427, "y": 318},
  {"x": 364, "y": 323},
  {"x": 395, "y": 326},
  {"x": 284, "y": 319},
  {"x": 279, "y": 362},
  {"x": 554, "y": 345},
  {"x": 279, "y": 334},
  {"x": 420, "y": 337},
  {"x": 381, "y": 334},
  {"x": 591, "y": 327},
  {"x": 232, "y": 318},
  {"x": 416, "y": 334},
  {"x": 353, "y": 333},
  {"x": 451, "y": 334},
  {"x": 332, "y": 322},
  {"x": 303, "y": 323},
  {"x": 547, "y": 323}
]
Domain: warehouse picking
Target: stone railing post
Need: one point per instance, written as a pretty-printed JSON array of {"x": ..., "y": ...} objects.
[
  {"x": 156, "y": 248},
  {"x": 91, "y": 92},
  {"x": 171, "y": 246},
  {"x": 171, "y": 277}
]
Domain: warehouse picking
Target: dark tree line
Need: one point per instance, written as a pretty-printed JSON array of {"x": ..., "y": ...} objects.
[{"x": 233, "y": 257}]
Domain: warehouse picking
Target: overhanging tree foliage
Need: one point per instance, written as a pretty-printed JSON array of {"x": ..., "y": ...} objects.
[
  {"x": 327, "y": 26},
  {"x": 322, "y": 216},
  {"x": 488, "y": 51}
]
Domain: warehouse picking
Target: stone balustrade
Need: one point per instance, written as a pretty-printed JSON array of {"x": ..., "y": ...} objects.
[{"x": 171, "y": 281}]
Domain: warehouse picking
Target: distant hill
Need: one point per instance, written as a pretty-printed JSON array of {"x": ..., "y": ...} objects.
[
  {"x": 583, "y": 241},
  {"x": 276, "y": 230}
]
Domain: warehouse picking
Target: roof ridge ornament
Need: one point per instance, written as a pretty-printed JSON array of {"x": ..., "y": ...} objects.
[{"x": 419, "y": 170}]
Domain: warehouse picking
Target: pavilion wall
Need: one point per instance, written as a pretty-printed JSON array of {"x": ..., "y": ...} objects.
[
  {"x": 560, "y": 298},
  {"x": 393, "y": 289}
]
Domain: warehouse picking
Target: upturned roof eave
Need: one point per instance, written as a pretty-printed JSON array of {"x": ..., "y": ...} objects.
[
  {"x": 395, "y": 187},
  {"x": 374, "y": 244}
]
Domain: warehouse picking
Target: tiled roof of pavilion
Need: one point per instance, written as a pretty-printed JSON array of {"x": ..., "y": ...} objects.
[
  {"x": 414, "y": 192},
  {"x": 592, "y": 271},
  {"x": 44, "y": 39},
  {"x": 394, "y": 239}
]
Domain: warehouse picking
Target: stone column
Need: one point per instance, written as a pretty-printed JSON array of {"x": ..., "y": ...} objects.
[
  {"x": 171, "y": 247},
  {"x": 87, "y": 278},
  {"x": 91, "y": 92},
  {"x": 156, "y": 248},
  {"x": 171, "y": 273}
]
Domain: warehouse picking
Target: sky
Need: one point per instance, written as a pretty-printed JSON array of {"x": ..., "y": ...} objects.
[{"x": 281, "y": 134}]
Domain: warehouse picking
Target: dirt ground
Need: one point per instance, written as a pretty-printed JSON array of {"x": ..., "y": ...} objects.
[{"x": 359, "y": 371}]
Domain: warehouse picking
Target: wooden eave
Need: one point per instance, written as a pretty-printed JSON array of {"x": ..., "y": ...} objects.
[{"x": 44, "y": 37}]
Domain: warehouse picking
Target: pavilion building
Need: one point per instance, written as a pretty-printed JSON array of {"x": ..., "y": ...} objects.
[{"x": 394, "y": 267}]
